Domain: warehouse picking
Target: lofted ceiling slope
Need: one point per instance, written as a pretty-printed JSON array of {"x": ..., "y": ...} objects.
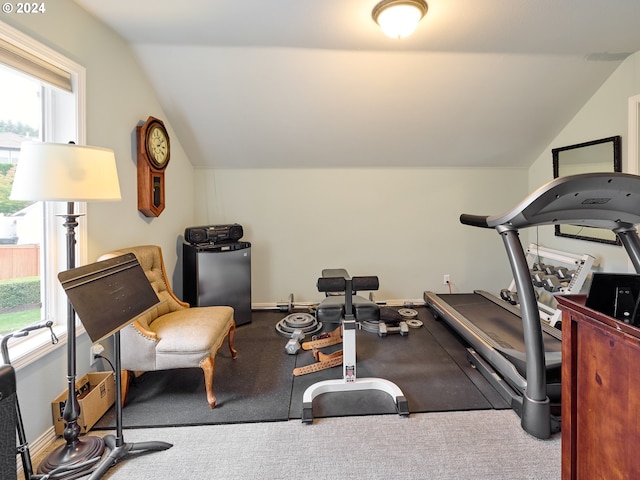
[{"x": 315, "y": 83}]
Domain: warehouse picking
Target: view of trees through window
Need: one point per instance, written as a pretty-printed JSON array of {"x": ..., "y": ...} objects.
[{"x": 21, "y": 223}]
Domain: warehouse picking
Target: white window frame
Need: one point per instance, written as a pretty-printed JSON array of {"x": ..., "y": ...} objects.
[
  {"x": 39, "y": 343},
  {"x": 633, "y": 154}
]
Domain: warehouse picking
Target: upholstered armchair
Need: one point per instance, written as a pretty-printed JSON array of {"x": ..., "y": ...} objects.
[{"x": 172, "y": 335}]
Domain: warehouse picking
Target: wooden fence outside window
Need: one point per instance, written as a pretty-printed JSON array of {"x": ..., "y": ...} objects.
[{"x": 17, "y": 261}]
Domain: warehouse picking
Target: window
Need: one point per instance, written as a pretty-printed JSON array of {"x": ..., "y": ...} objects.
[{"x": 42, "y": 99}]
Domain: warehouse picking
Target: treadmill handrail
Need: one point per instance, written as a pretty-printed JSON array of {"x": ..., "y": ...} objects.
[
  {"x": 475, "y": 220},
  {"x": 602, "y": 200}
]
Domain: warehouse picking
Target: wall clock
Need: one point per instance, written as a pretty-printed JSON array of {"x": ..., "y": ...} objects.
[{"x": 153, "y": 152}]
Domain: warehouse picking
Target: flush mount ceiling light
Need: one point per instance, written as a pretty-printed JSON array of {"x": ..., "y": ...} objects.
[{"x": 399, "y": 18}]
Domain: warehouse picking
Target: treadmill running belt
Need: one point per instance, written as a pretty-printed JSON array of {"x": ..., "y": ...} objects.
[{"x": 502, "y": 326}]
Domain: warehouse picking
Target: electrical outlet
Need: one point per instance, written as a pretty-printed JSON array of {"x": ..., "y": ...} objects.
[
  {"x": 446, "y": 280},
  {"x": 96, "y": 349}
]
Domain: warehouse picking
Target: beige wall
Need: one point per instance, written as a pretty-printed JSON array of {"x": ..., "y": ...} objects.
[
  {"x": 604, "y": 115},
  {"x": 400, "y": 224}
]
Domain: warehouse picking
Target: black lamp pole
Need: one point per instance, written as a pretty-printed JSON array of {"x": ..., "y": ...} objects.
[{"x": 75, "y": 450}]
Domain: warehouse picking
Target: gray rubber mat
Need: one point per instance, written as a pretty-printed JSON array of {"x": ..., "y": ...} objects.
[{"x": 429, "y": 365}]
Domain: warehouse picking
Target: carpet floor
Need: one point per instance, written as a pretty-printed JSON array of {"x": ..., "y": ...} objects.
[
  {"x": 479, "y": 445},
  {"x": 429, "y": 365}
]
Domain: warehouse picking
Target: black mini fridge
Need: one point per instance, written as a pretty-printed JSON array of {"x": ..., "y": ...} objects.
[{"x": 219, "y": 274}]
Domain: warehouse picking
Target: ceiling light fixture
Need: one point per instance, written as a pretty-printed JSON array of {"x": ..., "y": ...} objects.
[{"x": 399, "y": 18}]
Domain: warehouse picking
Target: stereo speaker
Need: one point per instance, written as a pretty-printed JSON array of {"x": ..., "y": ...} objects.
[{"x": 213, "y": 234}]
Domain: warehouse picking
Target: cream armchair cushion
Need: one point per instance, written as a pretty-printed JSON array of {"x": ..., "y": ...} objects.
[{"x": 172, "y": 334}]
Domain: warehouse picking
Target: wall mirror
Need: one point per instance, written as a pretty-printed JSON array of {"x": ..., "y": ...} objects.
[{"x": 601, "y": 155}]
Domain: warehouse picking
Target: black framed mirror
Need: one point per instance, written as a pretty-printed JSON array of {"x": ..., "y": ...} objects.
[{"x": 601, "y": 155}]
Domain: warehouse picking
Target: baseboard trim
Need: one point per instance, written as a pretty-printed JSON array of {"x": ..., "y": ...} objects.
[
  {"x": 38, "y": 447},
  {"x": 402, "y": 302}
]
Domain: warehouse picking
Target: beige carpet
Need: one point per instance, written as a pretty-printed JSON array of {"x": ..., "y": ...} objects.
[{"x": 454, "y": 445}]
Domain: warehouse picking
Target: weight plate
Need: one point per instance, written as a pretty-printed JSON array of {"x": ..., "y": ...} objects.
[
  {"x": 370, "y": 326},
  {"x": 299, "y": 320},
  {"x": 311, "y": 327},
  {"x": 412, "y": 323},
  {"x": 408, "y": 312}
]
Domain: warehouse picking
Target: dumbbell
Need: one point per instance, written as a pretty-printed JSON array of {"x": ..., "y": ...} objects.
[
  {"x": 293, "y": 345},
  {"x": 564, "y": 273},
  {"x": 538, "y": 267},
  {"x": 553, "y": 284},
  {"x": 538, "y": 278},
  {"x": 509, "y": 296},
  {"x": 384, "y": 329}
]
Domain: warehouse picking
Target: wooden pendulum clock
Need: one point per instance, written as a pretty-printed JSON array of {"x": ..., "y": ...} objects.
[{"x": 153, "y": 152}]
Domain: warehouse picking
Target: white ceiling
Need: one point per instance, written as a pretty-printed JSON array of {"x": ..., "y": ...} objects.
[{"x": 315, "y": 83}]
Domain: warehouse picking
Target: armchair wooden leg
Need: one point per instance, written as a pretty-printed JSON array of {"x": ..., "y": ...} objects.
[
  {"x": 207, "y": 367},
  {"x": 125, "y": 380},
  {"x": 232, "y": 334}
]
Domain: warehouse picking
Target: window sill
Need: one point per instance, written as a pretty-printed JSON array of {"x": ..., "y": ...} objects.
[{"x": 37, "y": 345}]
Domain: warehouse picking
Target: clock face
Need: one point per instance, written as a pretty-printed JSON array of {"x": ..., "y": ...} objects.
[{"x": 158, "y": 146}]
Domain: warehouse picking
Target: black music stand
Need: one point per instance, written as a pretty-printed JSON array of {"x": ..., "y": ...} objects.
[{"x": 107, "y": 296}]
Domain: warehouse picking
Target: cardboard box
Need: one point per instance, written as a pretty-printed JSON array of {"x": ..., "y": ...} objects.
[{"x": 96, "y": 394}]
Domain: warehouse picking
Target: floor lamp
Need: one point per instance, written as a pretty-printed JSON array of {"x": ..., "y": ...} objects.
[{"x": 67, "y": 173}]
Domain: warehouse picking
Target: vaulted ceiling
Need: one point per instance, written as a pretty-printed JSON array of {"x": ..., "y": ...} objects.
[{"x": 315, "y": 83}]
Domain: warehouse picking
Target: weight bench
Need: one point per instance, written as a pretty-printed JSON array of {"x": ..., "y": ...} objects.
[
  {"x": 338, "y": 280},
  {"x": 331, "y": 309}
]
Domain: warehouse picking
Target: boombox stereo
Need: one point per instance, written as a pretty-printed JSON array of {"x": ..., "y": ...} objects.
[{"x": 213, "y": 234}]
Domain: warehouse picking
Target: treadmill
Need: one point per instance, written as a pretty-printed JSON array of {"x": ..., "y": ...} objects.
[{"x": 516, "y": 351}]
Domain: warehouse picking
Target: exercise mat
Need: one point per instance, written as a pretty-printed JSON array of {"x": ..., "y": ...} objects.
[
  {"x": 254, "y": 387},
  {"x": 429, "y": 365}
]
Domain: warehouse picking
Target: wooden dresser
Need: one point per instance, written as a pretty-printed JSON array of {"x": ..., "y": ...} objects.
[{"x": 600, "y": 394}]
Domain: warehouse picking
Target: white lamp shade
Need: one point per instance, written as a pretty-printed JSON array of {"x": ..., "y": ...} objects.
[
  {"x": 398, "y": 19},
  {"x": 65, "y": 172}
]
